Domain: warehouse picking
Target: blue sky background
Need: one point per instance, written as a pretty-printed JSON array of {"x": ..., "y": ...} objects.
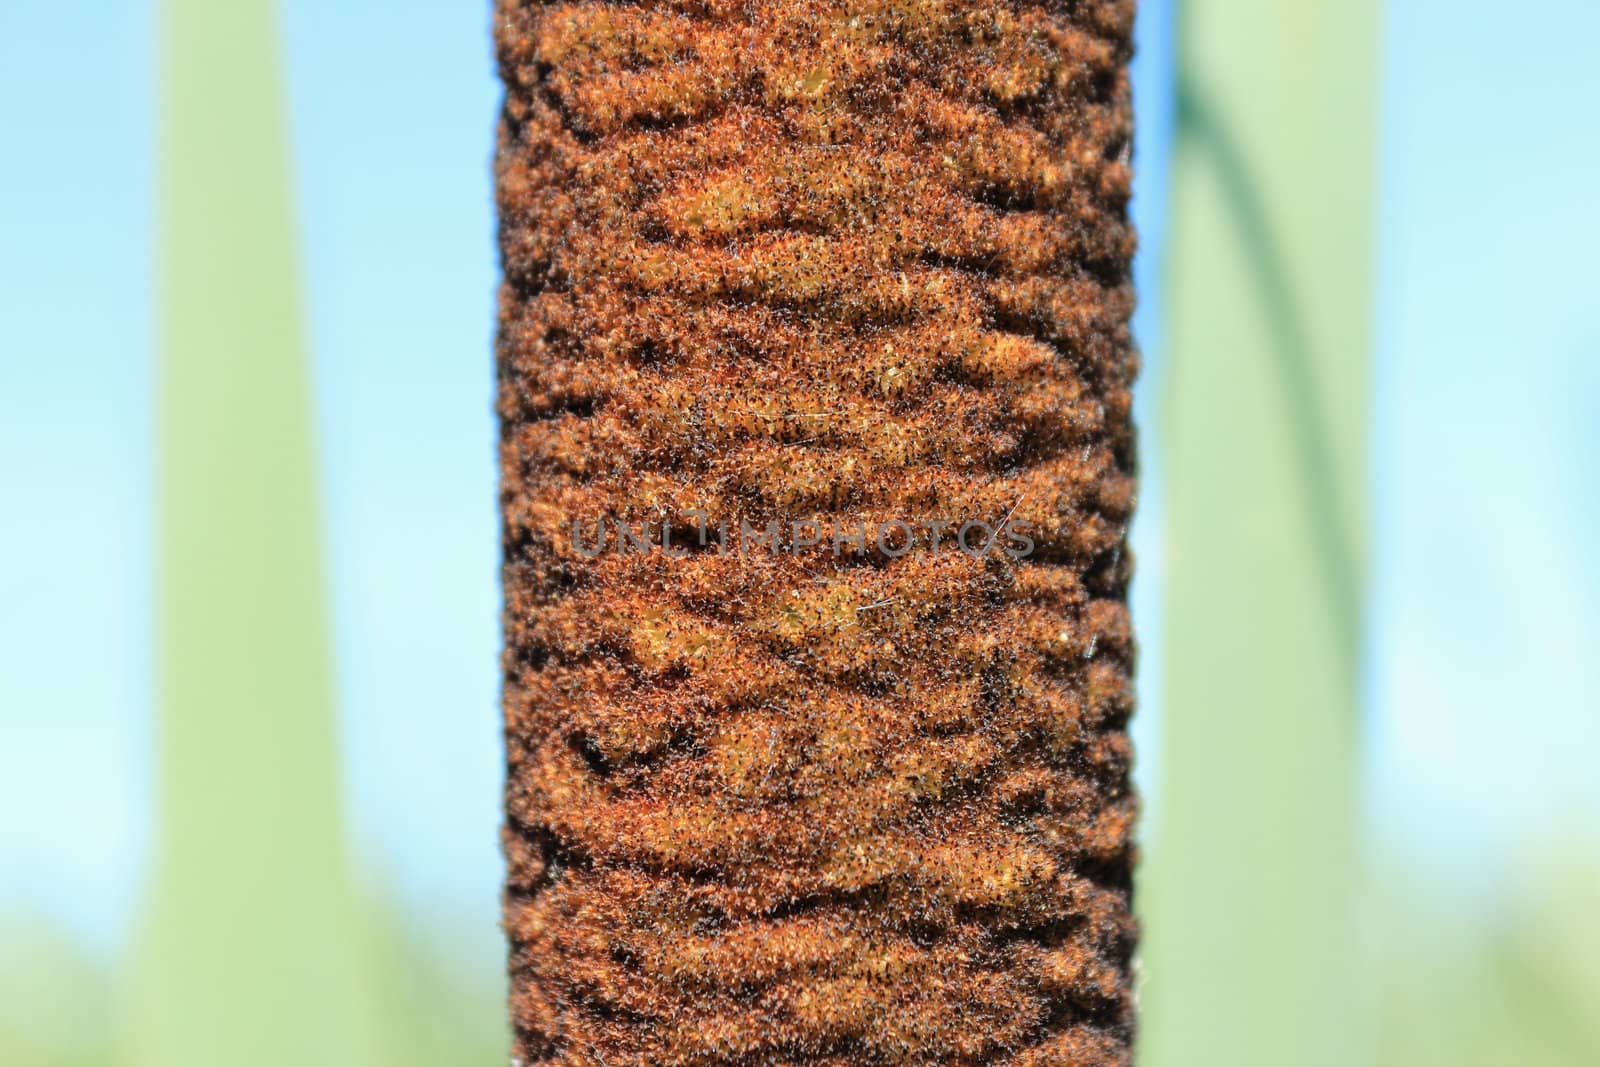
[
  {"x": 1483, "y": 711},
  {"x": 1486, "y": 606}
]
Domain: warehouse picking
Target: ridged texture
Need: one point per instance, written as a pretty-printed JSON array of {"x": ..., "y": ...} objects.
[{"x": 779, "y": 261}]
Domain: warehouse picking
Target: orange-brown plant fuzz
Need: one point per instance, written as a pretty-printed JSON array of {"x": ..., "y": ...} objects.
[{"x": 846, "y": 262}]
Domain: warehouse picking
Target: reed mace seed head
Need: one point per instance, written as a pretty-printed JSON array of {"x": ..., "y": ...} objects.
[{"x": 849, "y": 262}]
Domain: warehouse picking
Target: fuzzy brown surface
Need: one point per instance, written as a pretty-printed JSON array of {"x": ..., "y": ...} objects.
[{"x": 860, "y": 261}]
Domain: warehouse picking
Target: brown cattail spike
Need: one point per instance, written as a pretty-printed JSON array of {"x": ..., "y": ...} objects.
[{"x": 788, "y": 278}]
